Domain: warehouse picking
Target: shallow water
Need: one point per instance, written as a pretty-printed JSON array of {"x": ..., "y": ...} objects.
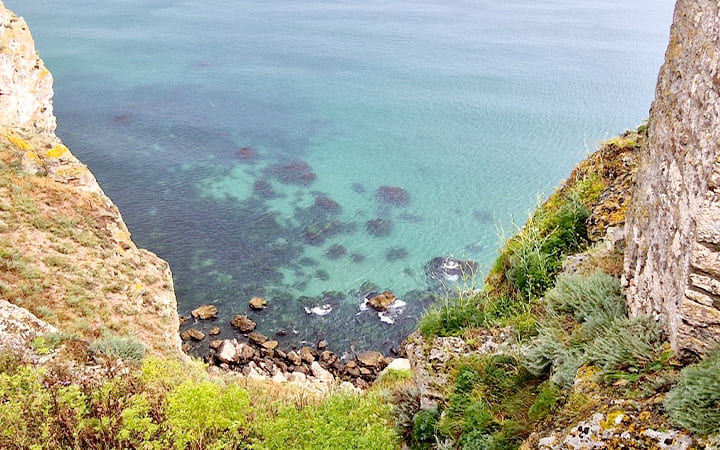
[{"x": 472, "y": 108}]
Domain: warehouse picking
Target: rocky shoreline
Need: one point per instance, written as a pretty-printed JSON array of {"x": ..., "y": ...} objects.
[{"x": 259, "y": 357}]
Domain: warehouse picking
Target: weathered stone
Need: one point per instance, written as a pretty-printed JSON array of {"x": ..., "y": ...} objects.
[
  {"x": 243, "y": 323},
  {"x": 676, "y": 204},
  {"x": 228, "y": 352},
  {"x": 322, "y": 344},
  {"x": 257, "y": 338},
  {"x": 298, "y": 377},
  {"x": 371, "y": 359},
  {"x": 246, "y": 353},
  {"x": 215, "y": 344},
  {"x": 257, "y": 303},
  {"x": 294, "y": 358},
  {"x": 307, "y": 355},
  {"x": 381, "y": 302},
  {"x": 214, "y": 331},
  {"x": 328, "y": 357},
  {"x": 270, "y": 345},
  {"x": 205, "y": 312},
  {"x": 192, "y": 333},
  {"x": 399, "y": 364},
  {"x": 364, "y": 371},
  {"x": 321, "y": 374}
]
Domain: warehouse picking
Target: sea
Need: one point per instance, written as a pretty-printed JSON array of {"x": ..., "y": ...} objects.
[{"x": 318, "y": 152}]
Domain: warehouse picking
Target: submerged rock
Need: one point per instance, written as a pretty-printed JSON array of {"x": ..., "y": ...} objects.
[
  {"x": 396, "y": 253},
  {"x": 264, "y": 189},
  {"x": 296, "y": 173},
  {"x": 379, "y": 227},
  {"x": 327, "y": 204},
  {"x": 393, "y": 195},
  {"x": 335, "y": 251},
  {"x": 205, "y": 312},
  {"x": 444, "y": 270},
  {"x": 247, "y": 154}
]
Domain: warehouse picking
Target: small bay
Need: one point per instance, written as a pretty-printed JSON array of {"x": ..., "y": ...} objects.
[{"x": 251, "y": 144}]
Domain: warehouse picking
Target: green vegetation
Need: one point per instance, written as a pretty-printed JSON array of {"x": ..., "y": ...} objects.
[
  {"x": 694, "y": 403},
  {"x": 167, "y": 404},
  {"x": 586, "y": 322},
  {"x": 123, "y": 348}
]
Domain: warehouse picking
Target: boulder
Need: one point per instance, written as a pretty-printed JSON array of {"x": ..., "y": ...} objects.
[
  {"x": 322, "y": 345},
  {"x": 371, "y": 359},
  {"x": 205, "y": 312},
  {"x": 306, "y": 354},
  {"x": 321, "y": 374},
  {"x": 381, "y": 302},
  {"x": 214, "y": 331},
  {"x": 243, "y": 323},
  {"x": 399, "y": 364},
  {"x": 328, "y": 357},
  {"x": 257, "y": 338},
  {"x": 192, "y": 333},
  {"x": 227, "y": 352},
  {"x": 245, "y": 352},
  {"x": 270, "y": 345},
  {"x": 257, "y": 303},
  {"x": 215, "y": 344},
  {"x": 294, "y": 358}
]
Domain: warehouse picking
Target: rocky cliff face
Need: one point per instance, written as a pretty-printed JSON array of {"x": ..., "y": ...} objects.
[
  {"x": 65, "y": 252},
  {"x": 672, "y": 264}
]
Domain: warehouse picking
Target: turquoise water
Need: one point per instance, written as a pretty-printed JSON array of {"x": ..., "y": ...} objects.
[{"x": 472, "y": 108}]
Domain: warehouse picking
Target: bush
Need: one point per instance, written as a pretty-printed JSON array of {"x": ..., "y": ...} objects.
[
  {"x": 694, "y": 402},
  {"x": 127, "y": 349},
  {"x": 587, "y": 323},
  {"x": 425, "y": 429},
  {"x": 546, "y": 401}
]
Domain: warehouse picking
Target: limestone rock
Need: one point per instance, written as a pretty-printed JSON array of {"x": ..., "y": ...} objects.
[
  {"x": 257, "y": 303},
  {"x": 672, "y": 230},
  {"x": 381, "y": 302},
  {"x": 228, "y": 352},
  {"x": 192, "y": 334},
  {"x": 321, "y": 374},
  {"x": 307, "y": 355},
  {"x": 257, "y": 338},
  {"x": 214, "y": 331},
  {"x": 371, "y": 359},
  {"x": 205, "y": 312},
  {"x": 243, "y": 323}
]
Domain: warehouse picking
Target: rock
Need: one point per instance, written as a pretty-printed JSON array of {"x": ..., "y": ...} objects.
[
  {"x": 321, "y": 345},
  {"x": 306, "y": 354},
  {"x": 228, "y": 351},
  {"x": 205, "y": 312},
  {"x": 364, "y": 371},
  {"x": 327, "y": 204},
  {"x": 257, "y": 303},
  {"x": 279, "y": 377},
  {"x": 381, "y": 302},
  {"x": 294, "y": 358},
  {"x": 257, "y": 338},
  {"x": 215, "y": 344},
  {"x": 328, "y": 357},
  {"x": 399, "y": 364},
  {"x": 280, "y": 354},
  {"x": 393, "y": 195},
  {"x": 194, "y": 334},
  {"x": 321, "y": 374},
  {"x": 243, "y": 323},
  {"x": 214, "y": 331},
  {"x": 379, "y": 227},
  {"x": 246, "y": 154},
  {"x": 297, "y": 377},
  {"x": 371, "y": 359},
  {"x": 270, "y": 345},
  {"x": 443, "y": 270},
  {"x": 245, "y": 352},
  {"x": 293, "y": 173}
]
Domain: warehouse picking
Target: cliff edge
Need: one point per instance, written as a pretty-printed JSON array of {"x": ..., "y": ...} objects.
[{"x": 65, "y": 253}]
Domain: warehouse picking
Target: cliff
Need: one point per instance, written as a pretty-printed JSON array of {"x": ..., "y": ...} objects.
[
  {"x": 672, "y": 264},
  {"x": 65, "y": 253}
]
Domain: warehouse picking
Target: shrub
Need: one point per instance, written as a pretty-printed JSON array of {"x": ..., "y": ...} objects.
[
  {"x": 341, "y": 421},
  {"x": 694, "y": 402},
  {"x": 587, "y": 323},
  {"x": 425, "y": 428},
  {"x": 123, "y": 348},
  {"x": 204, "y": 413},
  {"x": 546, "y": 401},
  {"x": 406, "y": 403}
]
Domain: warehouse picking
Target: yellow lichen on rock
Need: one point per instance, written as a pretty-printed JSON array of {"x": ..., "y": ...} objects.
[{"x": 57, "y": 151}]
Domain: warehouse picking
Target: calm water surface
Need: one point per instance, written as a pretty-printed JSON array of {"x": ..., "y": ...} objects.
[{"x": 471, "y": 107}]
